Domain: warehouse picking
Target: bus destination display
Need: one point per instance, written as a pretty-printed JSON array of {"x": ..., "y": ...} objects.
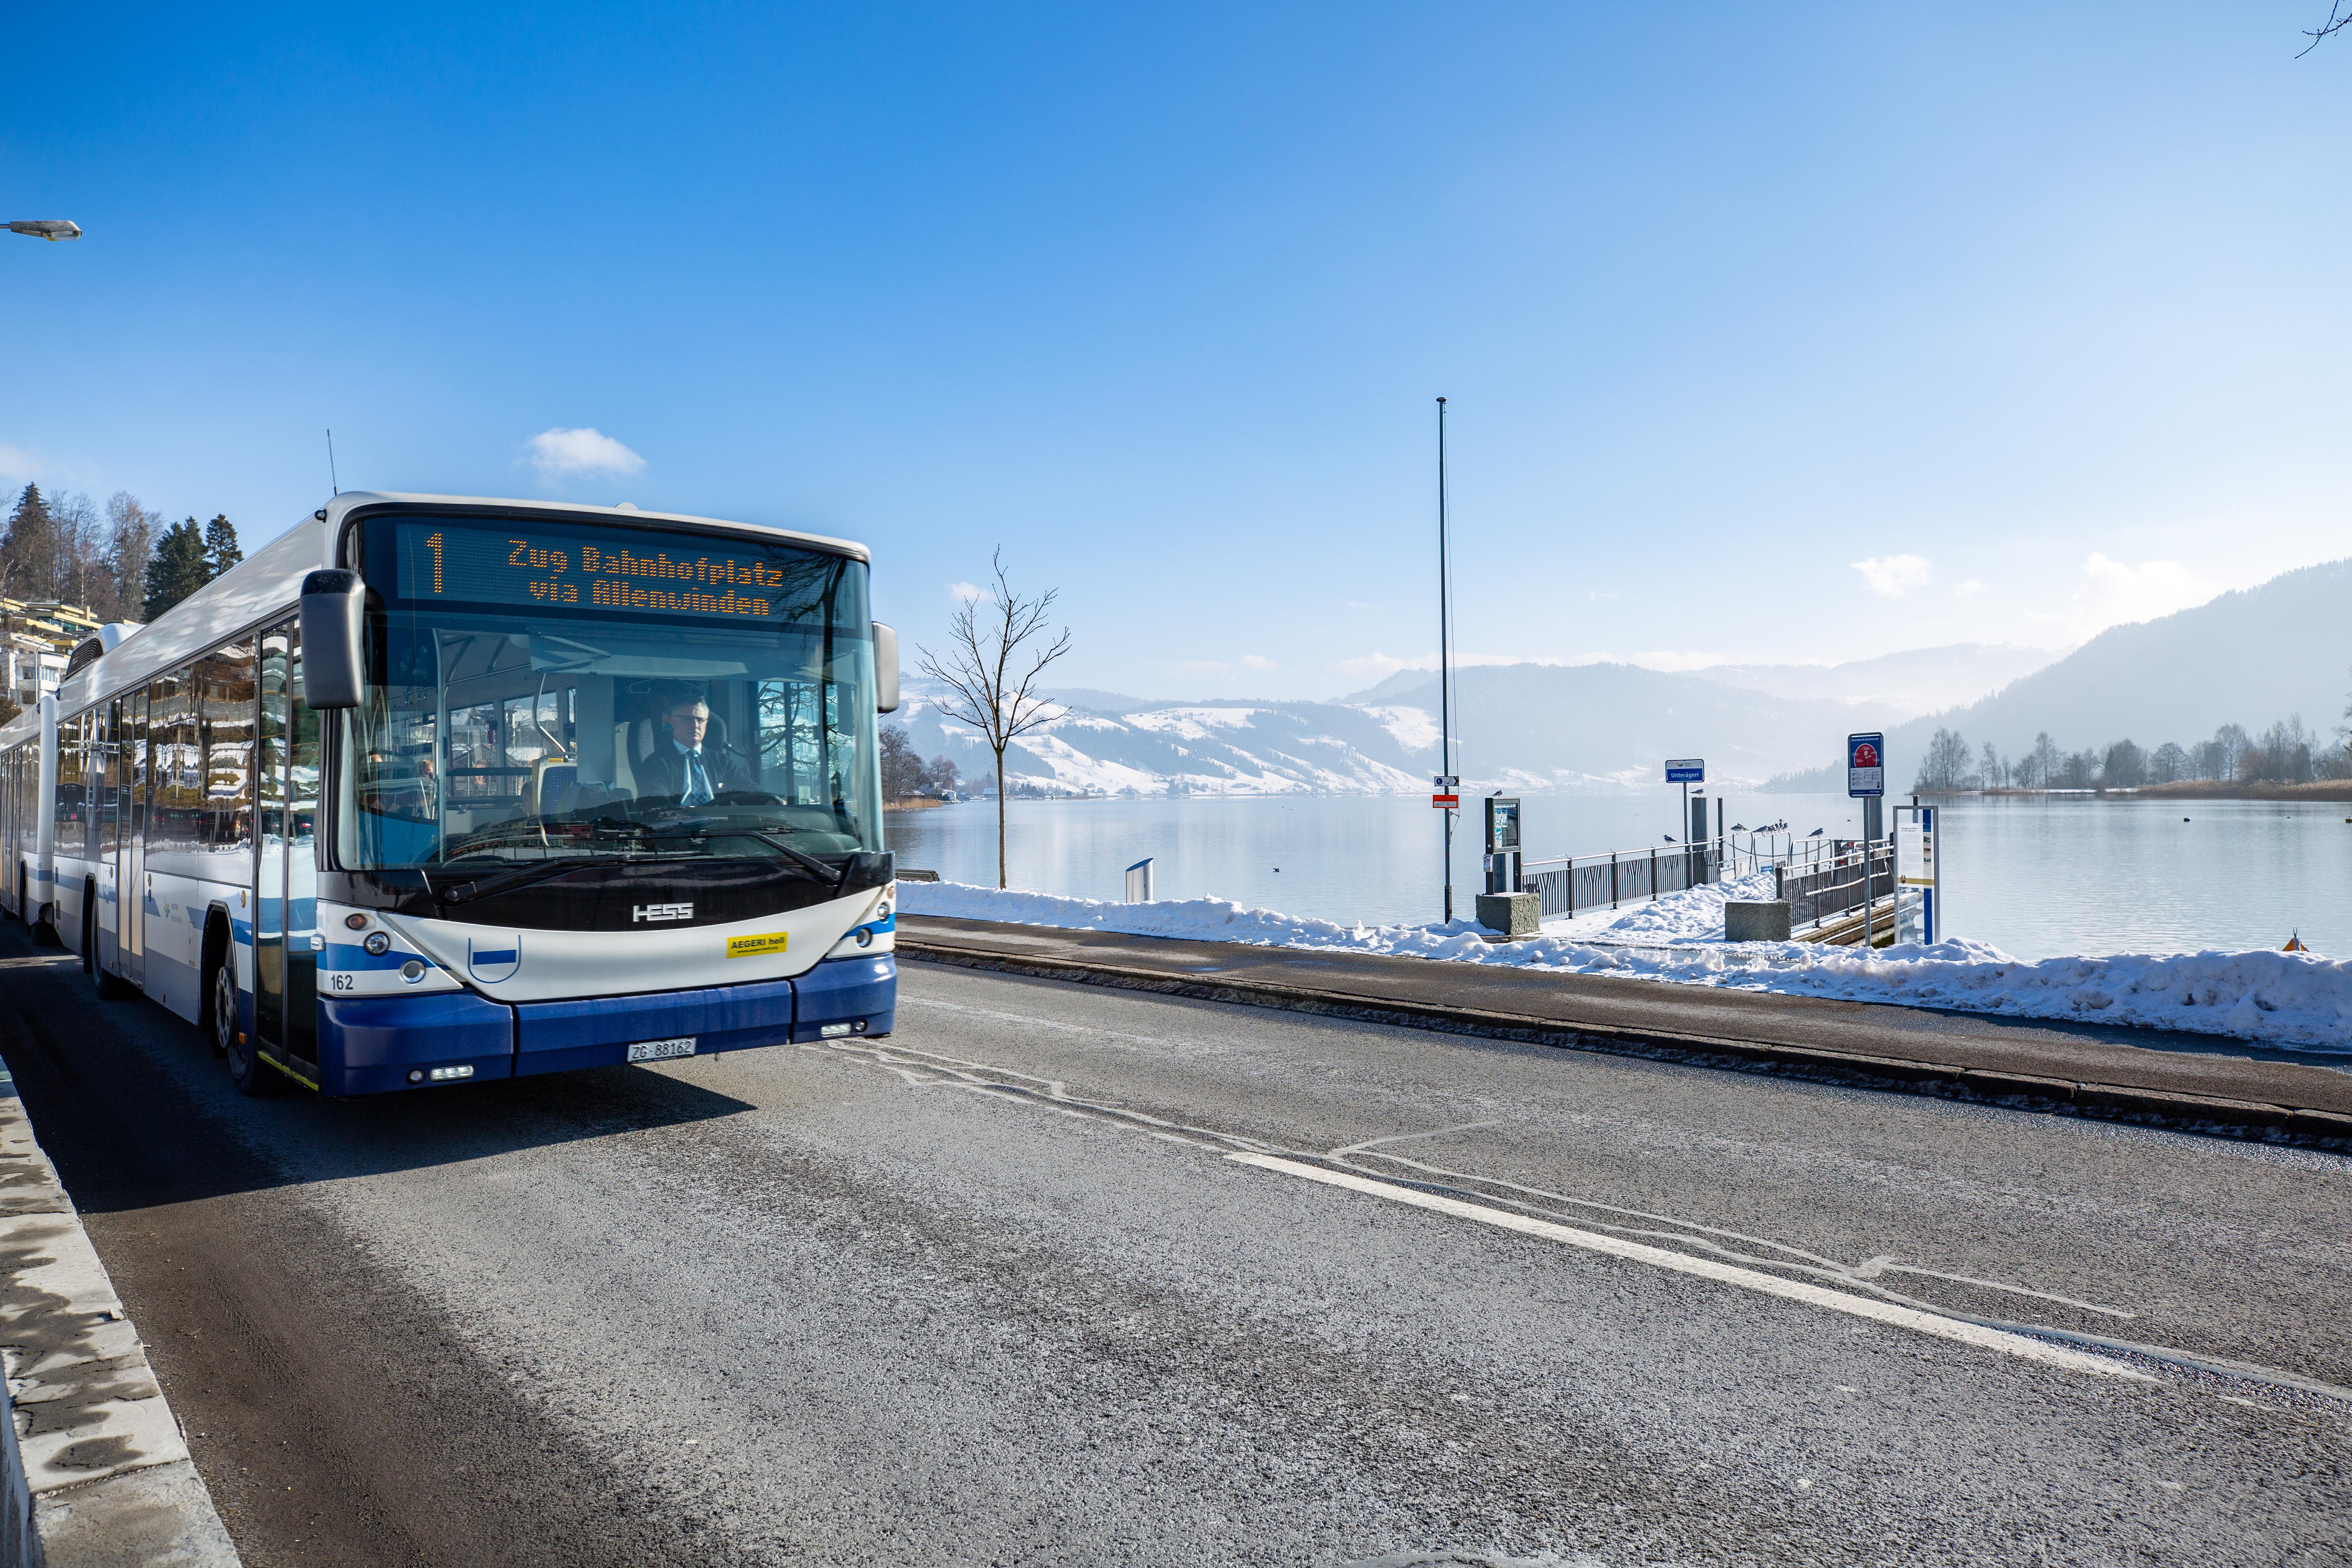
[{"x": 522, "y": 565}]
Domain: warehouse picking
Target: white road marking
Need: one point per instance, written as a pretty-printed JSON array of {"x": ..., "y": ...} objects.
[{"x": 2016, "y": 1345}]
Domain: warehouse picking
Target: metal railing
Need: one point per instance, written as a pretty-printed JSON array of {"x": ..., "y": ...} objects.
[
  {"x": 1814, "y": 874},
  {"x": 1617, "y": 877},
  {"x": 1831, "y": 883}
]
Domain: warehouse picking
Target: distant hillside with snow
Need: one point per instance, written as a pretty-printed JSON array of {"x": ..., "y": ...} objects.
[
  {"x": 1201, "y": 748},
  {"x": 1587, "y": 726}
]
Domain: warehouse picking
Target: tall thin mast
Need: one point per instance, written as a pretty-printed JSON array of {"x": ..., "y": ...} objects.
[{"x": 1444, "y": 664}]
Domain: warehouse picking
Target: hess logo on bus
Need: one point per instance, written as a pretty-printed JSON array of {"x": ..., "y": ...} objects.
[{"x": 662, "y": 913}]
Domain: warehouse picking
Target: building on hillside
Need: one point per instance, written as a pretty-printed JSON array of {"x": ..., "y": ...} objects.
[{"x": 36, "y": 636}]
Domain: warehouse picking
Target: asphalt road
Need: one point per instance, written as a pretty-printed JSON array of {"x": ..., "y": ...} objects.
[{"x": 998, "y": 1290}]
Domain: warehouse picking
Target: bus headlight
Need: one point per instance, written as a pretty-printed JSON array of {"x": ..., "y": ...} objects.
[{"x": 378, "y": 942}]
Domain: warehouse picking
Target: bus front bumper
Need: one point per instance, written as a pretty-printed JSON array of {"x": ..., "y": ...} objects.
[{"x": 371, "y": 1045}]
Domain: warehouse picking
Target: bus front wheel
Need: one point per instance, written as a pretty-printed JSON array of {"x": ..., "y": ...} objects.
[{"x": 245, "y": 1068}]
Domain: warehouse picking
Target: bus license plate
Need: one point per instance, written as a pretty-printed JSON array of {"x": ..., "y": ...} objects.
[{"x": 660, "y": 1050}]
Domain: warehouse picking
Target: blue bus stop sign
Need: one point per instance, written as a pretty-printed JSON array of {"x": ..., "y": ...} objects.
[
  {"x": 1865, "y": 766},
  {"x": 1685, "y": 770}
]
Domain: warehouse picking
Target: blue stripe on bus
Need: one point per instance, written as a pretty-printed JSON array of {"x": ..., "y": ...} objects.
[
  {"x": 352, "y": 955},
  {"x": 508, "y": 955}
]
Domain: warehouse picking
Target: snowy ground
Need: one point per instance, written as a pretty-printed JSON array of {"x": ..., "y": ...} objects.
[{"x": 2280, "y": 999}]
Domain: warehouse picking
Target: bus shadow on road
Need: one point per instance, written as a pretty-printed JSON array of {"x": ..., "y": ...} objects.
[{"x": 130, "y": 1105}]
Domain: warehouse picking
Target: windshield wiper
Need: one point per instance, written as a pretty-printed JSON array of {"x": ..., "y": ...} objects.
[
  {"x": 465, "y": 893},
  {"x": 802, "y": 860}
]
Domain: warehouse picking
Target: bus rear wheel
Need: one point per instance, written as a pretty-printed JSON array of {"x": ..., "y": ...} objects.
[
  {"x": 246, "y": 1069},
  {"x": 107, "y": 987}
]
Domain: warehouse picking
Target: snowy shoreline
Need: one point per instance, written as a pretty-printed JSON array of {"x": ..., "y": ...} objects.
[{"x": 2259, "y": 996}]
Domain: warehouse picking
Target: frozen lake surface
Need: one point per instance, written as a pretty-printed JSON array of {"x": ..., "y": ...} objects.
[{"x": 2034, "y": 877}]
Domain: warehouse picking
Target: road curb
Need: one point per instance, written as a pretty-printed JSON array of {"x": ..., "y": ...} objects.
[
  {"x": 2100, "y": 1101},
  {"x": 95, "y": 1469}
]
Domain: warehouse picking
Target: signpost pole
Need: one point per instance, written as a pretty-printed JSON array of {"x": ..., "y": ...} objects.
[{"x": 1866, "y": 781}]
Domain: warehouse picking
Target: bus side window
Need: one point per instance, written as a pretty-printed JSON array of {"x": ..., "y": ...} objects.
[
  {"x": 69, "y": 840},
  {"x": 226, "y": 678}
]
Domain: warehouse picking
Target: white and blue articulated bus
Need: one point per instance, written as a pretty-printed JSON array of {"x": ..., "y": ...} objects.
[{"x": 434, "y": 790}]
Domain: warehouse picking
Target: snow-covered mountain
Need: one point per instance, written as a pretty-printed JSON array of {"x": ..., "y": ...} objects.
[
  {"x": 1530, "y": 728},
  {"x": 1199, "y": 748}
]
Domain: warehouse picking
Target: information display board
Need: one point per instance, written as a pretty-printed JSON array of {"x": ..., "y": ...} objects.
[
  {"x": 1916, "y": 916},
  {"x": 1687, "y": 770},
  {"x": 622, "y": 570},
  {"x": 1865, "y": 766}
]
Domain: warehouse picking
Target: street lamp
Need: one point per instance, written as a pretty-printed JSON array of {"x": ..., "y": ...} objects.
[{"x": 49, "y": 228}]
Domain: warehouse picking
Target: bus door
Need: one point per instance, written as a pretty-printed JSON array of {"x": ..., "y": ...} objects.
[
  {"x": 131, "y": 879},
  {"x": 270, "y": 834},
  {"x": 304, "y": 774},
  {"x": 285, "y": 783}
]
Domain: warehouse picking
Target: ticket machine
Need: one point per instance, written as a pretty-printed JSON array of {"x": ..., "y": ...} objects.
[{"x": 1502, "y": 845}]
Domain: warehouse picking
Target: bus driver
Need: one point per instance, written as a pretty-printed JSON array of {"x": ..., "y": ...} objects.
[{"x": 681, "y": 765}]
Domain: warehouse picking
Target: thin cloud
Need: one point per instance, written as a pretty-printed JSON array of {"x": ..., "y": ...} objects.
[
  {"x": 1380, "y": 665},
  {"x": 560, "y": 454},
  {"x": 965, "y": 592},
  {"x": 2113, "y": 594},
  {"x": 1895, "y": 575},
  {"x": 1248, "y": 664},
  {"x": 1970, "y": 589}
]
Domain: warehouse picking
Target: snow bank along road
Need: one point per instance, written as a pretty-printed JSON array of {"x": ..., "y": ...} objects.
[
  {"x": 1062, "y": 1275},
  {"x": 2296, "y": 999}
]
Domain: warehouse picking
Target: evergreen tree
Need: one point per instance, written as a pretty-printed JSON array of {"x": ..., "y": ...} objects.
[
  {"x": 220, "y": 546},
  {"x": 29, "y": 554},
  {"x": 177, "y": 569}
]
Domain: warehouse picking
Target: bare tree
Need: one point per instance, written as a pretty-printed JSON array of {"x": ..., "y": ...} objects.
[
  {"x": 993, "y": 663},
  {"x": 80, "y": 569},
  {"x": 131, "y": 542}
]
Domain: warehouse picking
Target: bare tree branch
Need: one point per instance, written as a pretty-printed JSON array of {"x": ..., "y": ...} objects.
[
  {"x": 2339, "y": 16},
  {"x": 979, "y": 671}
]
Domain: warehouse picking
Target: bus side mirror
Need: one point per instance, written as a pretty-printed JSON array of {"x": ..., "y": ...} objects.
[
  {"x": 885, "y": 670},
  {"x": 331, "y": 605}
]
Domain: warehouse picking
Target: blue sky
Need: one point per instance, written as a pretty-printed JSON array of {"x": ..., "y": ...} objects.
[{"x": 1769, "y": 333}]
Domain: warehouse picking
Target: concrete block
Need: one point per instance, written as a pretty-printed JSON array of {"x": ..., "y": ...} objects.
[
  {"x": 1756, "y": 922},
  {"x": 1516, "y": 915}
]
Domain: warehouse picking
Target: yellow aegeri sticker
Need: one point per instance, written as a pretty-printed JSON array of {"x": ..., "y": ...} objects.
[{"x": 758, "y": 946}]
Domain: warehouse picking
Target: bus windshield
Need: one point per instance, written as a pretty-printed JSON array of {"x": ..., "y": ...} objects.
[{"x": 564, "y": 689}]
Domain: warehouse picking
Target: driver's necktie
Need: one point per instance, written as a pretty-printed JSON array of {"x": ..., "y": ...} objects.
[{"x": 698, "y": 783}]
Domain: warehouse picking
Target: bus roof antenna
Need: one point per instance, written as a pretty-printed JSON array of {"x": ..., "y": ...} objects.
[{"x": 333, "y": 484}]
